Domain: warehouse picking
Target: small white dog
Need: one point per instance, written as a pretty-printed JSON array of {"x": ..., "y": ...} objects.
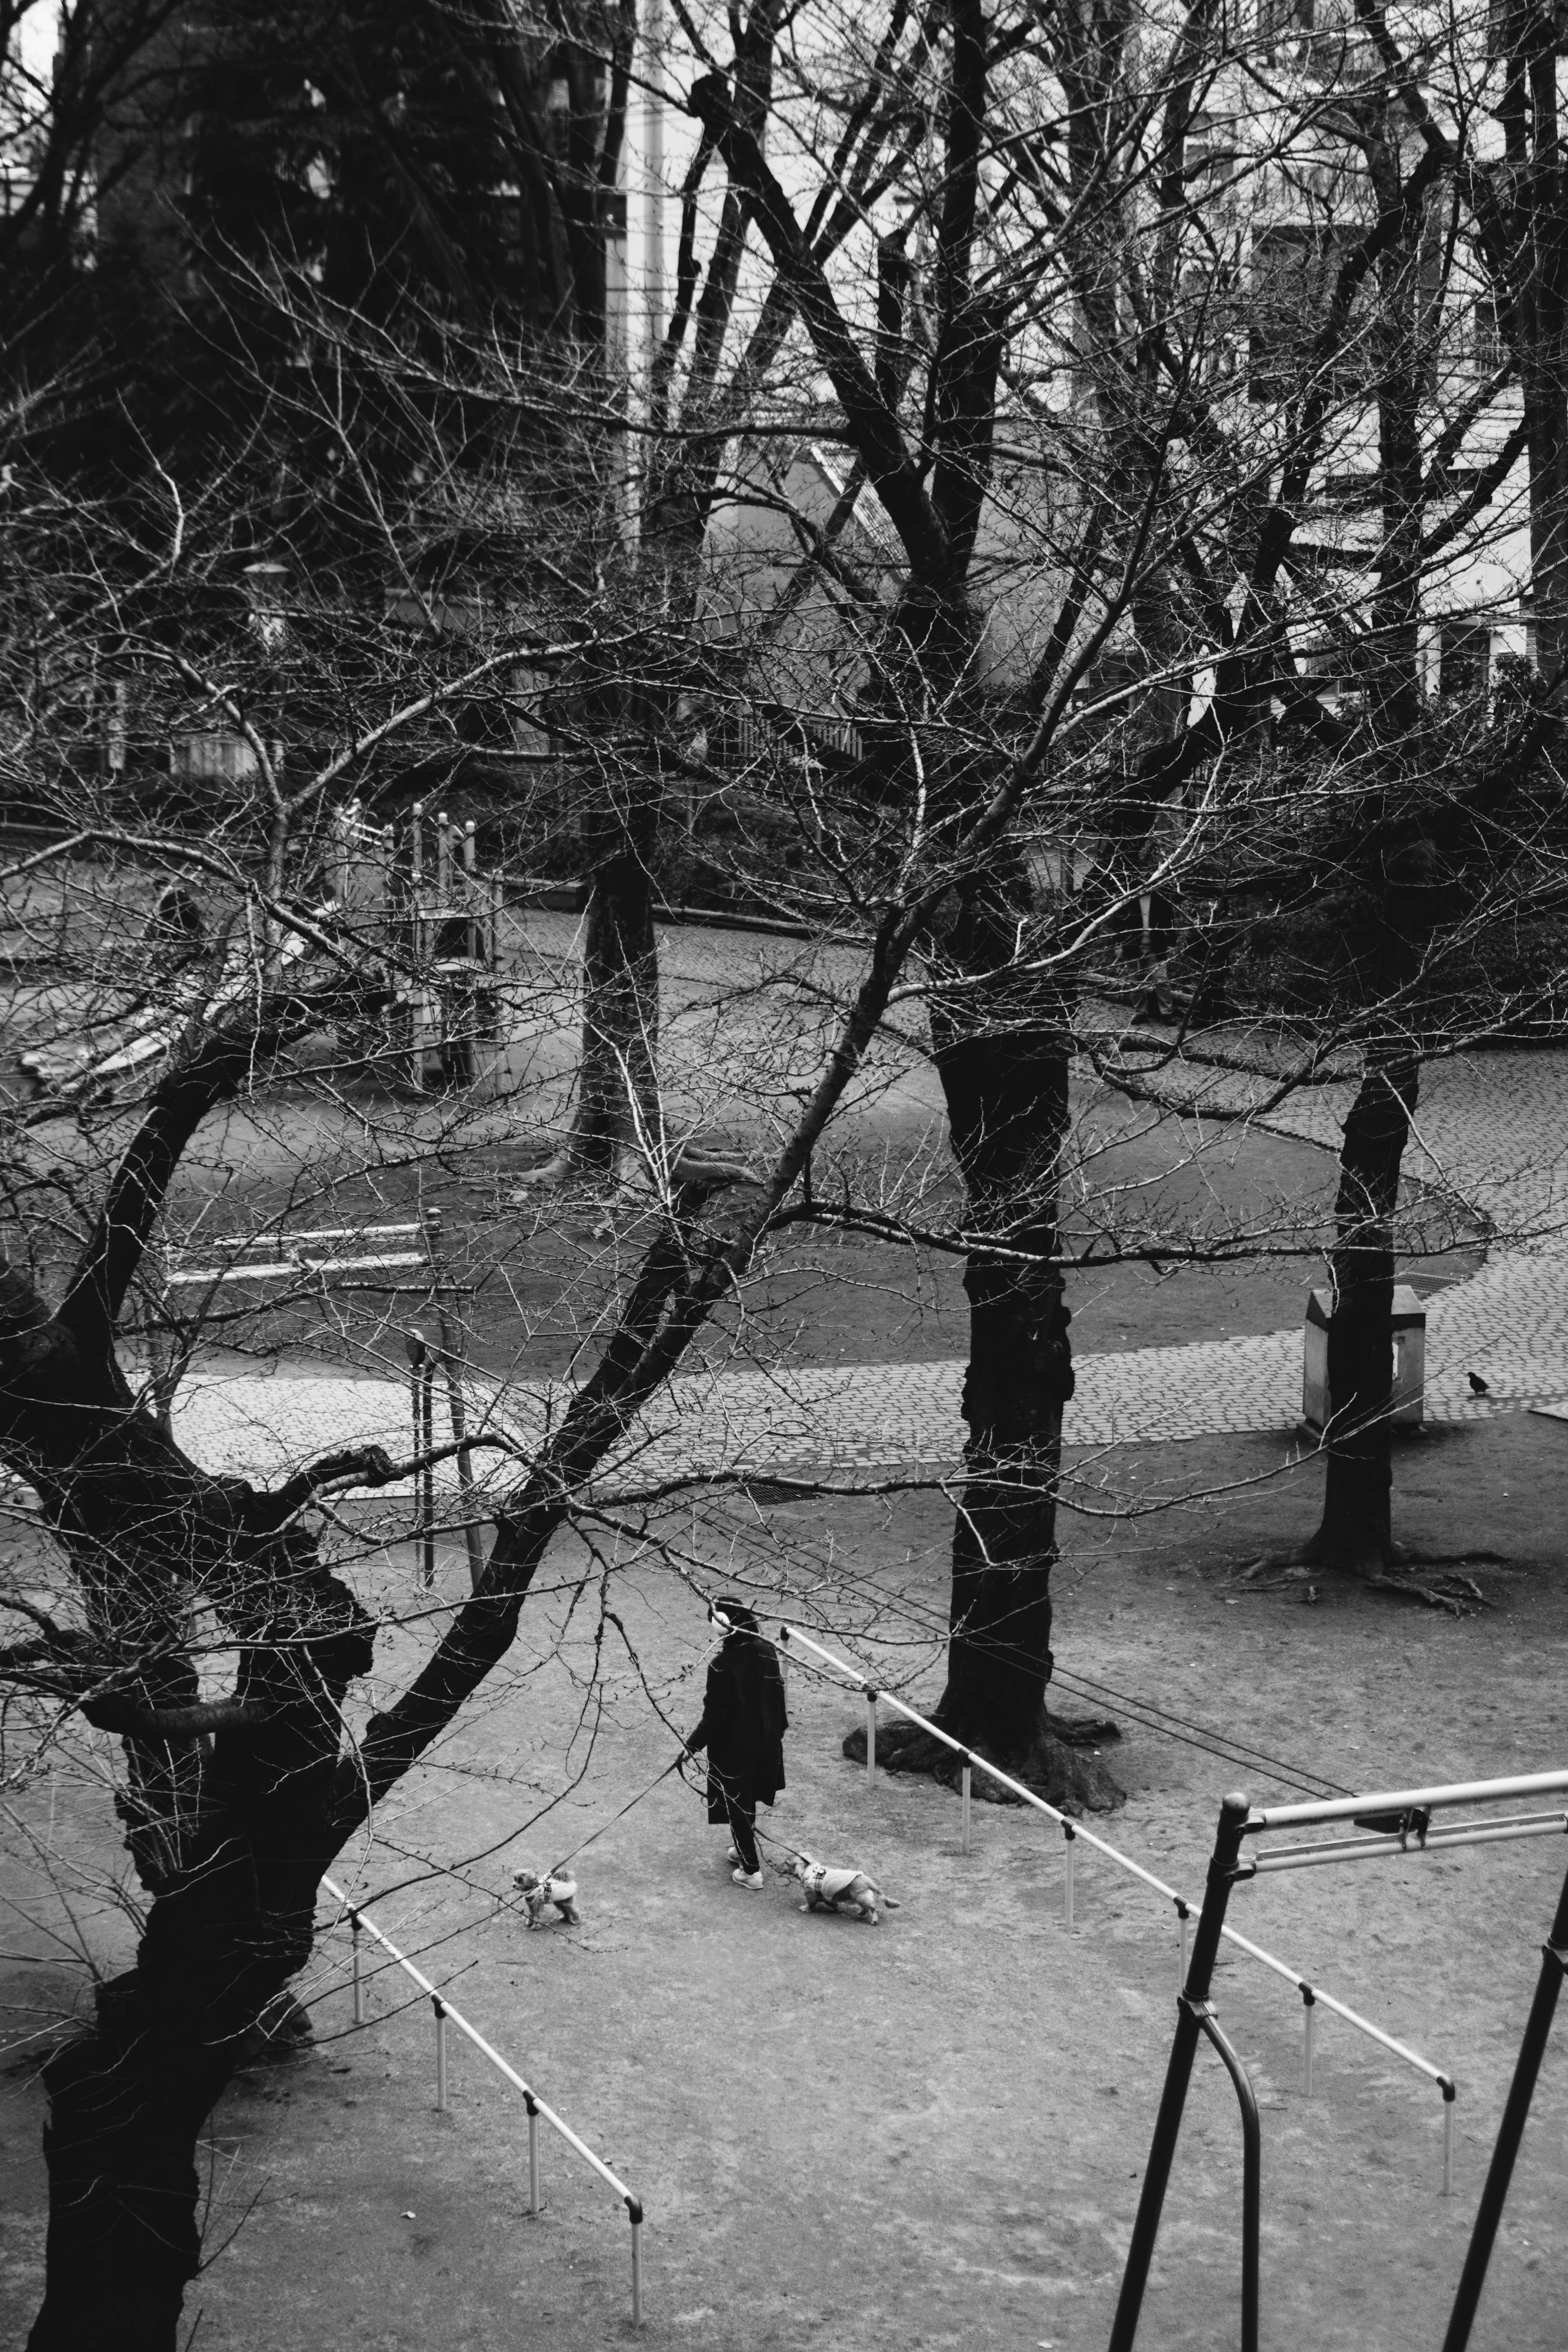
[
  {"x": 538, "y": 1894},
  {"x": 826, "y": 1889}
]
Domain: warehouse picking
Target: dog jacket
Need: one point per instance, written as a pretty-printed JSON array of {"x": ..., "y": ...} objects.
[{"x": 825, "y": 1886}]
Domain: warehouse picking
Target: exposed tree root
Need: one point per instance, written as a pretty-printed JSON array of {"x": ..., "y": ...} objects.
[
  {"x": 1387, "y": 1570},
  {"x": 1060, "y": 1765}
]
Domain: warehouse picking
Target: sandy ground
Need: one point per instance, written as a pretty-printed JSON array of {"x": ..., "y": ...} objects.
[{"x": 931, "y": 2133}]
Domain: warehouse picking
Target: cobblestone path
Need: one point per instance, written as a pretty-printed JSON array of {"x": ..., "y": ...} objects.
[{"x": 1492, "y": 1132}]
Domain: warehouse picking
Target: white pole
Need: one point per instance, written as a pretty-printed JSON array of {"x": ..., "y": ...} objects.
[
  {"x": 636, "y": 2272},
  {"x": 1310, "y": 2038},
  {"x": 1070, "y": 1835},
  {"x": 1449, "y": 2141},
  {"x": 440, "y": 2058},
  {"x": 533, "y": 2157},
  {"x": 359, "y": 1981},
  {"x": 1183, "y": 1918},
  {"x": 968, "y": 1777},
  {"x": 871, "y": 1735}
]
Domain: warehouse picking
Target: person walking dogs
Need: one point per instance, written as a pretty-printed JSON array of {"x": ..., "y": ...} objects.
[{"x": 743, "y": 1729}]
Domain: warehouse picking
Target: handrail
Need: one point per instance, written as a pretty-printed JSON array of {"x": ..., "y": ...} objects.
[
  {"x": 1186, "y": 1911},
  {"x": 360, "y": 1918},
  {"x": 1401, "y": 1801}
]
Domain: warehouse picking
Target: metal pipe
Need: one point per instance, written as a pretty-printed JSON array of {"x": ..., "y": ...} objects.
[
  {"x": 451, "y": 1362},
  {"x": 1449, "y": 2103},
  {"x": 1184, "y": 1920},
  {"x": 1405, "y": 1800},
  {"x": 1251, "y": 2176},
  {"x": 1178, "y": 2072},
  {"x": 440, "y": 2057},
  {"x": 487, "y": 2048},
  {"x": 870, "y": 1734},
  {"x": 427, "y": 1475},
  {"x": 1532, "y": 2050},
  {"x": 533, "y": 2153},
  {"x": 1308, "y": 2030},
  {"x": 1071, "y": 1841},
  {"x": 792, "y": 1635},
  {"x": 1274, "y": 1858},
  {"x": 636, "y": 2212},
  {"x": 359, "y": 1981},
  {"x": 968, "y": 1790}
]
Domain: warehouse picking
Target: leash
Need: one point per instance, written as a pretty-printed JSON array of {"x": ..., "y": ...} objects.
[{"x": 625, "y": 1809}]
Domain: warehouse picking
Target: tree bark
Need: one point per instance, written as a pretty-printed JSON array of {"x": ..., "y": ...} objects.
[
  {"x": 1002, "y": 1048},
  {"x": 1356, "y": 1531}
]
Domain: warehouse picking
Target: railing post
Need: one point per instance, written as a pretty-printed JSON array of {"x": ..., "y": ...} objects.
[
  {"x": 440, "y": 2054},
  {"x": 1221, "y": 1876},
  {"x": 635, "y": 2211},
  {"x": 1309, "y": 2019},
  {"x": 968, "y": 1791},
  {"x": 533, "y": 2152},
  {"x": 870, "y": 1734},
  {"x": 1449, "y": 2094},
  {"x": 359, "y": 1981},
  {"x": 422, "y": 1371},
  {"x": 1184, "y": 1921},
  {"x": 1071, "y": 1836}
]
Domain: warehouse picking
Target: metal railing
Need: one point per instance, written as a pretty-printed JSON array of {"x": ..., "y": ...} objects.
[
  {"x": 1314, "y": 1997},
  {"x": 1393, "y": 1818},
  {"x": 361, "y": 1923}
]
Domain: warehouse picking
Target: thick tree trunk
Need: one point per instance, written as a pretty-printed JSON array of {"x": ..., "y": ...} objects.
[
  {"x": 1002, "y": 1054},
  {"x": 1356, "y": 1530}
]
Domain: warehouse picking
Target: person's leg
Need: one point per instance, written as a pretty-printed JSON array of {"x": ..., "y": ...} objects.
[{"x": 743, "y": 1827}]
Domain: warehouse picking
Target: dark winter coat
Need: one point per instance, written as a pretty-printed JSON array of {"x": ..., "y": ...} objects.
[{"x": 743, "y": 1726}]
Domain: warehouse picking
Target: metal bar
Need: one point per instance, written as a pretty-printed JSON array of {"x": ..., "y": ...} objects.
[
  {"x": 1309, "y": 2033},
  {"x": 637, "y": 2269},
  {"x": 1184, "y": 1922},
  {"x": 489, "y": 2051},
  {"x": 792, "y": 1635},
  {"x": 359, "y": 1980},
  {"x": 279, "y": 1269},
  {"x": 1251, "y": 2176},
  {"x": 1522, "y": 2090},
  {"x": 310, "y": 1233},
  {"x": 1449, "y": 2103},
  {"x": 871, "y": 1735},
  {"x": 1178, "y": 2073},
  {"x": 1405, "y": 1800},
  {"x": 1274, "y": 1858},
  {"x": 1067, "y": 1876},
  {"x": 969, "y": 1793},
  {"x": 451, "y": 1361},
  {"x": 439, "y": 2056},
  {"x": 533, "y": 2156}
]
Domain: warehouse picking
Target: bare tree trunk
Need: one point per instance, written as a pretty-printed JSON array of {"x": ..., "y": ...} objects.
[
  {"x": 1002, "y": 1049},
  {"x": 1356, "y": 1530}
]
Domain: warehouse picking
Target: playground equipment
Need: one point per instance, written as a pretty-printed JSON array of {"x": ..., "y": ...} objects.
[
  {"x": 387, "y": 1260},
  {"x": 1396, "y": 1822},
  {"x": 422, "y": 914},
  {"x": 419, "y": 904},
  {"x": 360, "y": 1922}
]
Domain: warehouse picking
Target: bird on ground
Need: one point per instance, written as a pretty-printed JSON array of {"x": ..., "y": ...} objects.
[{"x": 1477, "y": 1386}]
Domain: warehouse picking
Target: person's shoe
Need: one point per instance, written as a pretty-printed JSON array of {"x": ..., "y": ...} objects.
[{"x": 751, "y": 1878}]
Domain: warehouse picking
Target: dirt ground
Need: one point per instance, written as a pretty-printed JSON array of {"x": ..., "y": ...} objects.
[
  {"x": 932, "y": 2133},
  {"x": 929, "y": 2134}
]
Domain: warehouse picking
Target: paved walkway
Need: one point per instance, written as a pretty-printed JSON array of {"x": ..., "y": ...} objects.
[{"x": 1492, "y": 1133}]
